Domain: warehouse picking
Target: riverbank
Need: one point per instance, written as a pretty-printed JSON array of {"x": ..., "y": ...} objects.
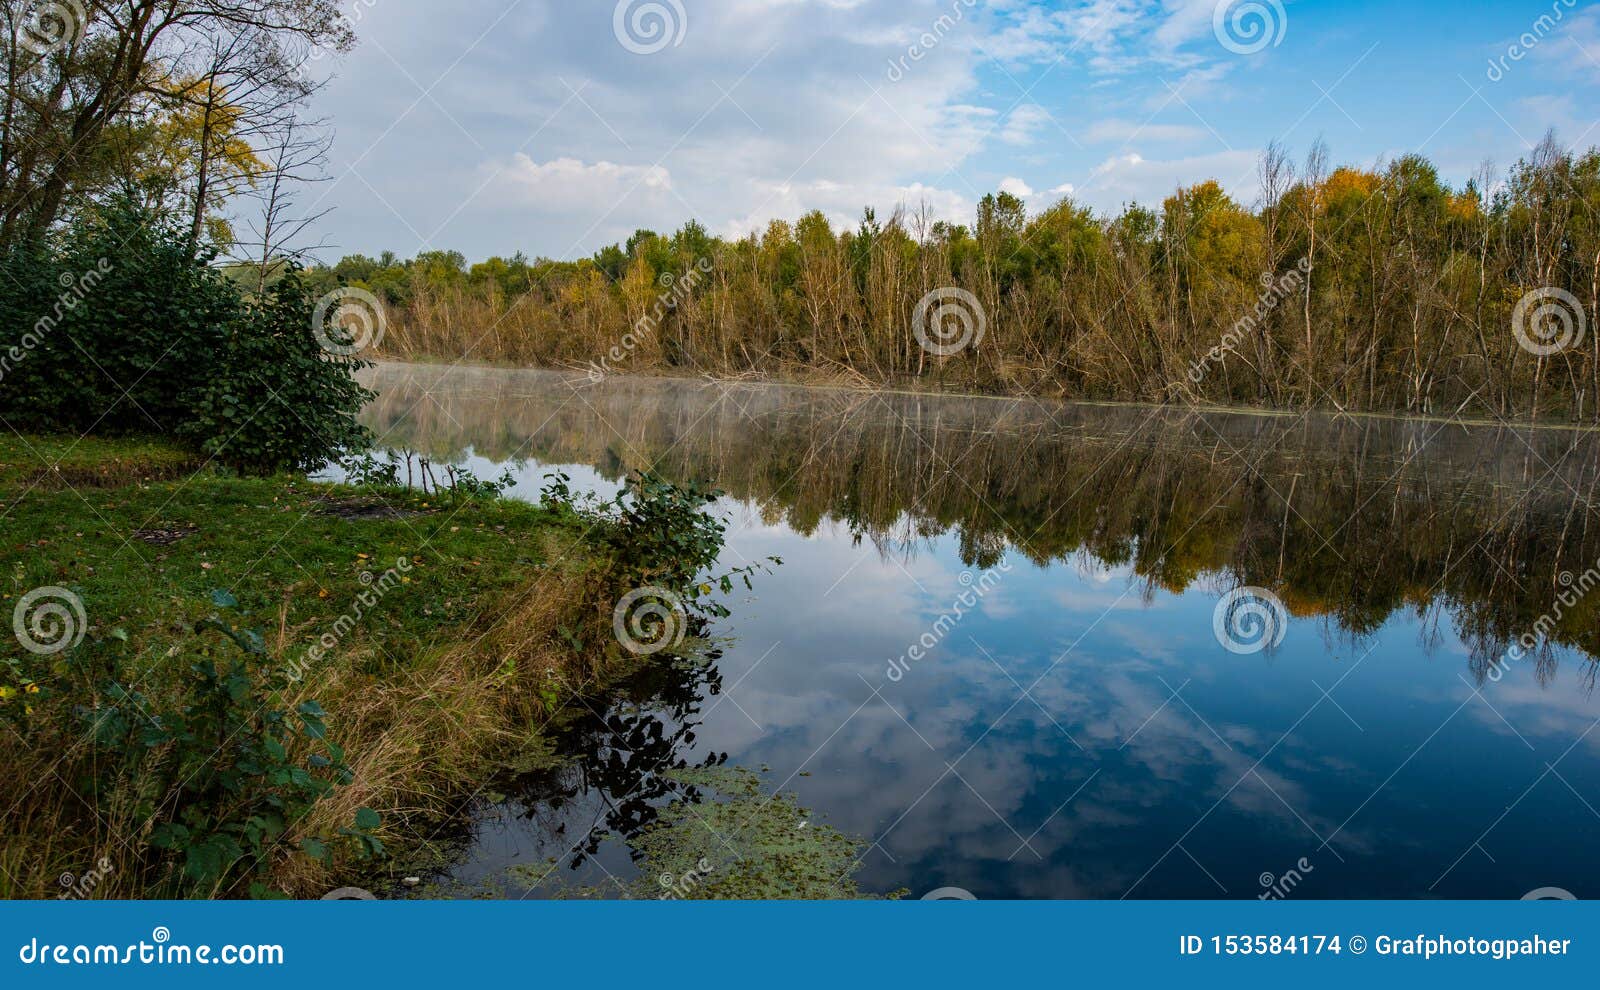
[{"x": 375, "y": 654}]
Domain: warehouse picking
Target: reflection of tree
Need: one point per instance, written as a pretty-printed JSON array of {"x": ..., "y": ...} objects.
[
  {"x": 1352, "y": 519},
  {"x": 621, "y": 749}
]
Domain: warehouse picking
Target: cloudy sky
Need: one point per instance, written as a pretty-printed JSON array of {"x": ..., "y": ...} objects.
[{"x": 554, "y": 127}]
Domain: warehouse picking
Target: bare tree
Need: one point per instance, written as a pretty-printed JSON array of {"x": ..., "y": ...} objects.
[
  {"x": 296, "y": 159},
  {"x": 63, "y": 92}
]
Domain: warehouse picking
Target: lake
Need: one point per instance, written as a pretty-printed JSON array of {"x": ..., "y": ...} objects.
[{"x": 1031, "y": 650}]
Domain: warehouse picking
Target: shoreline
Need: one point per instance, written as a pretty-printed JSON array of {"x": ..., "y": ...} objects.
[{"x": 424, "y": 630}]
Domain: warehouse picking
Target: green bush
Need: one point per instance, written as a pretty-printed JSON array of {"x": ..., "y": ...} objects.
[
  {"x": 276, "y": 400},
  {"x": 226, "y": 776},
  {"x": 118, "y": 326}
]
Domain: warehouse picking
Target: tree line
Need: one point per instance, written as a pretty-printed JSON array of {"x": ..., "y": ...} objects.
[{"x": 1381, "y": 288}]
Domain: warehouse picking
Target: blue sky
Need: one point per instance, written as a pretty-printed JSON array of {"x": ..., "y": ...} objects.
[{"x": 554, "y": 127}]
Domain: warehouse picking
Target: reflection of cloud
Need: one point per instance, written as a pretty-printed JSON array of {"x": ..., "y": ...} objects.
[
  {"x": 1558, "y": 715},
  {"x": 1144, "y": 641},
  {"x": 1100, "y": 598}
]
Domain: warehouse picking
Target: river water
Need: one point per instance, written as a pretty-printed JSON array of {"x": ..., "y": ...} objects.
[{"x": 1029, "y": 650}]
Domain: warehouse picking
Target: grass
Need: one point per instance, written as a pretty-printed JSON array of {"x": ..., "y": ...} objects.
[{"x": 457, "y": 665}]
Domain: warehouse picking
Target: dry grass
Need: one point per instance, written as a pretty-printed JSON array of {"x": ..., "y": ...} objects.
[{"x": 451, "y": 680}]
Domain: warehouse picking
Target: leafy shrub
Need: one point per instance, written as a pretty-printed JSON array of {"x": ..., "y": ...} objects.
[
  {"x": 661, "y": 535},
  {"x": 119, "y": 327},
  {"x": 225, "y": 776},
  {"x": 275, "y": 400}
]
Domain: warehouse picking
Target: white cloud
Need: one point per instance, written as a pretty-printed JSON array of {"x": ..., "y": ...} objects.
[
  {"x": 1016, "y": 187},
  {"x": 567, "y": 183},
  {"x": 767, "y": 109},
  {"x": 1133, "y": 177},
  {"x": 1572, "y": 47},
  {"x": 1538, "y": 114},
  {"x": 842, "y": 203},
  {"x": 1023, "y": 125},
  {"x": 1124, "y": 131}
]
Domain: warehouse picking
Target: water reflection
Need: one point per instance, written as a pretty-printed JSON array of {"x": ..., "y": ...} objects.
[{"x": 1078, "y": 731}]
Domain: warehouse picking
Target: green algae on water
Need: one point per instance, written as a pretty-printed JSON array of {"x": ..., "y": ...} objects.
[{"x": 726, "y": 840}]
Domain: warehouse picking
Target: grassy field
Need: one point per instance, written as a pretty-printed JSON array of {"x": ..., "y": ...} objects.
[{"x": 435, "y": 632}]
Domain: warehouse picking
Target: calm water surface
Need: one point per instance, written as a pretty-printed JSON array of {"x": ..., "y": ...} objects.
[{"x": 1081, "y": 731}]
